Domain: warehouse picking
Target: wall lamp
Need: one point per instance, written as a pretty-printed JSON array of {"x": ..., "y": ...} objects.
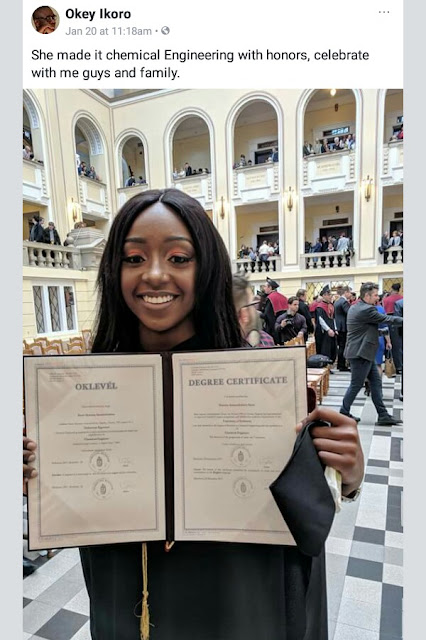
[
  {"x": 222, "y": 208},
  {"x": 367, "y": 187},
  {"x": 73, "y": 208},
  {"x": 290, "y": 199}
]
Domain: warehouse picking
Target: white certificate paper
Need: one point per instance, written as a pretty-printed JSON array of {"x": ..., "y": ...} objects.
[
  {"x": 98, "y": 424},
  {"x": 234, "y": 430}
]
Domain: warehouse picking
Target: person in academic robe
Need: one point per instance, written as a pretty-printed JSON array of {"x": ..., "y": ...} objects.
[
  {"x": 161, "y": 291},
  {"x": 325, "y": 326},
  {"x": 341, "y": 308},
  {"x": 276, "y": 303}
]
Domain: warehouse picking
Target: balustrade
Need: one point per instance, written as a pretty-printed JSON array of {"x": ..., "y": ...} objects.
[
  {"x": 34, "y": 187},
  {"x": 329, "y": 260},
  {"x": 258, "y": 182},
  {"x": 393, "y": 255},
  {"x": 393, "y": 162},
  {"x": 93, "y": 197},
  {"x": 38, "y": 254},
  {"x": 333, "y": 171},
  {"x": 199, "y": 186},
  {"x": 125, "y": 193},
  {"x": 245, "y": 265}
]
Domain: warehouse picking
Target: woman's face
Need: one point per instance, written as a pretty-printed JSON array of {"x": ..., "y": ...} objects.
[{"x": 158, "y": 277}]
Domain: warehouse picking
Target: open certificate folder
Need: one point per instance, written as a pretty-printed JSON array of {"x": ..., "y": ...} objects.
[{"x": 145, "y": 447}]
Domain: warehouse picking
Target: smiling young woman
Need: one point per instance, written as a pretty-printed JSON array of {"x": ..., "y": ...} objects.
[{"x": 165, "y": 284}]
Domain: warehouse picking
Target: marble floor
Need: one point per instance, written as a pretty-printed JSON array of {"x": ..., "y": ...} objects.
[{"x": 364, "y": 548}]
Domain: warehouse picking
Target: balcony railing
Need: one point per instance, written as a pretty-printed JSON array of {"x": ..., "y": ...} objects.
[
  {"x": 245, "y": 265},
  {"x": 34, "y": 185},
  {"x": 83, "y": 253},
  {"x": 199, "y": 186},
  {"x": 328, "y": 260},
  {"x": 333, "y": 171},
  {"x": 125, "y": 193},
  {"x": 93, "y": 197},
  {"x": 38, "y": 254},
  {"x": 259, "y": 182},
  {"x": 393, "y": 255},
  {"x": 393, "y": 162}
]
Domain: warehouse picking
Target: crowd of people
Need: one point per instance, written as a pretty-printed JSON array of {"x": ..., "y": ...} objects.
[
  {"x": 339, "y": 143},
  {"x": 242, "y": 162},
  {"x": 330, "y": 243},
  {"x": 187, "y": 171},
  {"x": 261, "y": 253},
  {"x": 352, "y": 331},
  {"x": 88, "y": 172},
  {"x": 39, "y": 234},
  {"x": 131, "y": 180},
  {"x": 387, "y": 242}
]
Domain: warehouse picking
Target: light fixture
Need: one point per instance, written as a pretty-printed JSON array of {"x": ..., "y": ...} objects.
[
  {"x": 222, "y": 207},
  {"x": 333, "y": 92},
  {"x": 367, "y": 187},
  {"x": 73, "y": 208},
  {"x": 289, "y": 199}
]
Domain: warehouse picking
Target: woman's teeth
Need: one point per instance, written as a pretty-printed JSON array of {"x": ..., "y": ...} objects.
[{"x": 157, "y": 299}]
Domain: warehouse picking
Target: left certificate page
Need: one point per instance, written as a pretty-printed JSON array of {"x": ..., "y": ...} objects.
[{"x": 98, "y": 424}]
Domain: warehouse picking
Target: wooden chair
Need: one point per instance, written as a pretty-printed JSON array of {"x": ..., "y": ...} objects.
[
  {"x": 55, "y": 343},
  {"x": 35, "y": 349},
  {"x": 27, "y": 351},
  {"x": 41, "y": 341},
  {"x": 77, "y": 340},
  {"x": 74, "y": 349},
  {"x": 88, "y": 339},
  {"x": 52, "y": 350}
]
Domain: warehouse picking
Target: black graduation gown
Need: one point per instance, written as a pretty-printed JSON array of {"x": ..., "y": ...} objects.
[
  {"x": 325, "y": 345},
  {"x": 207, "y": 591}
]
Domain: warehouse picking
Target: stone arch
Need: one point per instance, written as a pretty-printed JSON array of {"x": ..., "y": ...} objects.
[
  {"x": 173, "y": 125},
  {"x": 300, "y": 121},
  {"x": 96, "y": 149},
  {"x": 122, "y": 140},
  {"x": 36, "y": 140}
]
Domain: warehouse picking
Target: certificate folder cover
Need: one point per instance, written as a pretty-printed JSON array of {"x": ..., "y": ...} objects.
[{"x": 171, "y": 446}]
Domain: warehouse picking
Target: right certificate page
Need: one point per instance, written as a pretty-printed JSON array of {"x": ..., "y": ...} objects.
[{"x": 235, "y": 414}]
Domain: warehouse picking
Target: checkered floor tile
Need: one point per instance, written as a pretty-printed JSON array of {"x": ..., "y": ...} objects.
[{"x": 364, "y": 549}]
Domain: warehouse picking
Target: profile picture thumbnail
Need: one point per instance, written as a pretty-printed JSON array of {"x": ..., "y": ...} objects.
[{"x": 45, "y": 19}]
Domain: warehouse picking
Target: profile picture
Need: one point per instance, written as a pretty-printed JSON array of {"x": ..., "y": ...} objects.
[{"x": 45, "y": 19}]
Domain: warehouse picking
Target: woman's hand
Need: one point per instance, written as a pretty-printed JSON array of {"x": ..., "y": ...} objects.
[
  {"x": 29, "y": 447},
  {"x": 338, "y": 446}
]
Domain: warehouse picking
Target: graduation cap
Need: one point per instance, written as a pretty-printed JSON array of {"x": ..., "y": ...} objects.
[
  {"x": 272, "y": 283},
  {"x": 325, "y": 290}
]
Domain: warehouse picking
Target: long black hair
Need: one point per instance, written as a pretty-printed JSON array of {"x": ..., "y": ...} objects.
[{"x": 215, "y": 320}]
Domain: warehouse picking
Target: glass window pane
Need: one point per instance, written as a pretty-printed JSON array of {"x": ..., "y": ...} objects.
[
  {"x": 38, "y": 308},
  {"x": 69, "y": 306},
  {"x": 54, "y": 308}
]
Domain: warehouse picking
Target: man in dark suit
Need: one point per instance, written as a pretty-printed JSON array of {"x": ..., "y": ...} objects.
[
  {"x": 341, "y": 308},
  {"x": 304, "y": 311},
  {"x": 363, "y": 321}
]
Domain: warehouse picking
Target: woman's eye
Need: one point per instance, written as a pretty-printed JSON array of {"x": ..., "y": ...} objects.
[
  {"x": 136, "y": 259},
  {"x": 180, "y": 259}
]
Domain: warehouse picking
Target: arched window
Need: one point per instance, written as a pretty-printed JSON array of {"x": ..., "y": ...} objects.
[
  {"x": 32, "y": 142},
  {"x": 255, "y": 136},
  {"x": 133, "y": 162},
  {"x": 89, "y": 151},
  {"x": 191, "y": 147}
]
